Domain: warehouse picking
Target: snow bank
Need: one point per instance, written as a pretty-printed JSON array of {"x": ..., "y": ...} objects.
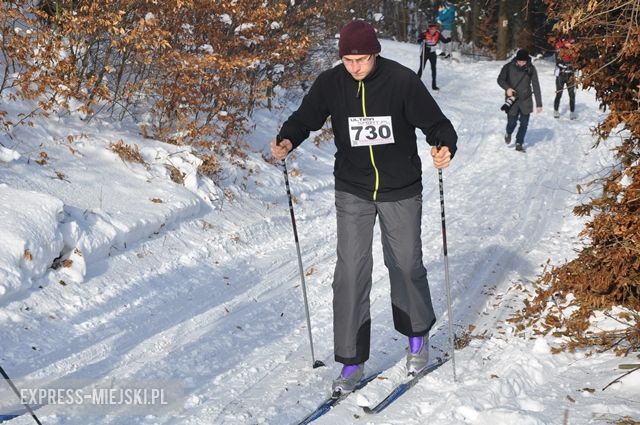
[{"x": 31, "y": 238}]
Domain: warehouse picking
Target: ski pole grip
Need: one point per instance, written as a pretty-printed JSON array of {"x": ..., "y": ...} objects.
[{"x": 278, "y": 139}]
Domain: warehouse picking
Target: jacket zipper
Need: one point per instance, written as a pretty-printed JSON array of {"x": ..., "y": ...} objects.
[{"x": 373, "y": 161}]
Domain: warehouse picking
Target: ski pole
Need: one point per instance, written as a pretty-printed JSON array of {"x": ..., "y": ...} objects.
[
  {"x": 316, "y": 363},
  {"x": 446, "y": 276},
  {"x": 15, "y": 390}
]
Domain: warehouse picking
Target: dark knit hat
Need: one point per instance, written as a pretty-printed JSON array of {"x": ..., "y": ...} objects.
[
  {"x": 522, "y": 55},
  {"x": 358, "y": 38}
]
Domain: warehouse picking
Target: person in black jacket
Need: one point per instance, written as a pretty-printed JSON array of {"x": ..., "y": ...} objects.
[
  {"x": 375, "y": 105},
  {"x": 565, "y": 76},
  {"x": 519, "y": 79}
]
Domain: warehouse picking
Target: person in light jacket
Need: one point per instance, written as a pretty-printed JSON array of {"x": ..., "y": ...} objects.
[{"x": 447, "y": 18}]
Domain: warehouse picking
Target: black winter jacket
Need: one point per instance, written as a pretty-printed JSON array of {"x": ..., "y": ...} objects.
[
  {"x": 521, "y": 79},
  {"x": 386, "y": 172}
]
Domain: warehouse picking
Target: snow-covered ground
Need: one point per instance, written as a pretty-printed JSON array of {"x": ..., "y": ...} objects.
[{"x": 198, "y": 286}]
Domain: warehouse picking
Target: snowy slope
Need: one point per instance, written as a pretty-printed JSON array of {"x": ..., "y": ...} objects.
[{"x": 203, "y": 289}]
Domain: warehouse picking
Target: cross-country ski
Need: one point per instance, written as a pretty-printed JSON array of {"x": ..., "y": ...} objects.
[
  {"x": 334, "y": 400},
  {"x": 402, "y": 388}
]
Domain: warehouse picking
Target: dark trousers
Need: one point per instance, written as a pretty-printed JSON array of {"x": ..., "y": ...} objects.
[
  {"x": 568, "y": 79},
  {"x": 512, "y": 121},
  {"x": 432, "y": 58},
  {"x": 400, "y": 223}
]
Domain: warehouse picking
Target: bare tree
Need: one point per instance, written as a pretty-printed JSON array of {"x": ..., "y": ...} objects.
[{"x": 503, "y": 30}]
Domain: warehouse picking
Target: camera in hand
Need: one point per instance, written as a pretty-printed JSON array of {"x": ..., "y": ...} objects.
[{"x": 508, "y": 103}]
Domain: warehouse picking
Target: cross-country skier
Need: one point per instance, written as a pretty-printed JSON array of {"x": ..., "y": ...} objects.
[
  {"x": 428, "y": 45},
  {"x": 565, "y": 76},
  {"x": 375, "y": 105}
]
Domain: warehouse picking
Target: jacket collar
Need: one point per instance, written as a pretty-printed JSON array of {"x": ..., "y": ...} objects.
[{"x": 514, "y": 62}]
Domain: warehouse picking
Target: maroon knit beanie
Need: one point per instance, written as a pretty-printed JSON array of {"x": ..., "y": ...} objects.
[{"x": 358, "y": 38}]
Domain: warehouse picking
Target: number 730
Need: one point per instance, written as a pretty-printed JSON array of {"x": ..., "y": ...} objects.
[{"x": 372, "y": 132}]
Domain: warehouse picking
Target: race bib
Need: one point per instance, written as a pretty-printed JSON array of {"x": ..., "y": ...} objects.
[{"x": 369, "y": 131}]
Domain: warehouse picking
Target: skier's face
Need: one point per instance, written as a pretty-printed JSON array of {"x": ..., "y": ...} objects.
[{"x": 359, "y": 66}]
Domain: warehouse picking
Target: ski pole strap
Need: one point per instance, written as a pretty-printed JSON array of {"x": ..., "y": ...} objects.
[{"x": 283, "y": 163}]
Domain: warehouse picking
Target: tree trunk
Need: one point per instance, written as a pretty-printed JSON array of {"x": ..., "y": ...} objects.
[
  {"x": 468, "y": 22},
  {"x": 503, "y": 30},
  {"x": 521, "y": 33},
  {"x": 402, "y": 20},
  {"x": 475, "y": 18}
]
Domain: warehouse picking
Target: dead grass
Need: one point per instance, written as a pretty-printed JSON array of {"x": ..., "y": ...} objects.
[{"x": 129, "y": 153}]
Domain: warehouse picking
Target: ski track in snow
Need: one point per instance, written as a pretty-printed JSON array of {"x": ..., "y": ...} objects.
[{"x": 220, "y": 308}]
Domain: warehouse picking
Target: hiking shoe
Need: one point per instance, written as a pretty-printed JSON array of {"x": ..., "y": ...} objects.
[
  {"x": 418, "y": 355},
  {"x": 507, "y": 138},
  {"x": 434, "y": 87},
  {"x": 572, "y": 116},
  {"x": 348, "y": 379},
  {"x": 519, "y": 147},
  {"x": 556, "y": 114}
]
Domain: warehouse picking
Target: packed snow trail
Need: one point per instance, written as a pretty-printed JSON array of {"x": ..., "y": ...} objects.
[{"x": 213, "y": 300}]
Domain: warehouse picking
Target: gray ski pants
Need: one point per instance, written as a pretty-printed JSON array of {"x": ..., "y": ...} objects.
[{"x": 413, "y": 313}]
